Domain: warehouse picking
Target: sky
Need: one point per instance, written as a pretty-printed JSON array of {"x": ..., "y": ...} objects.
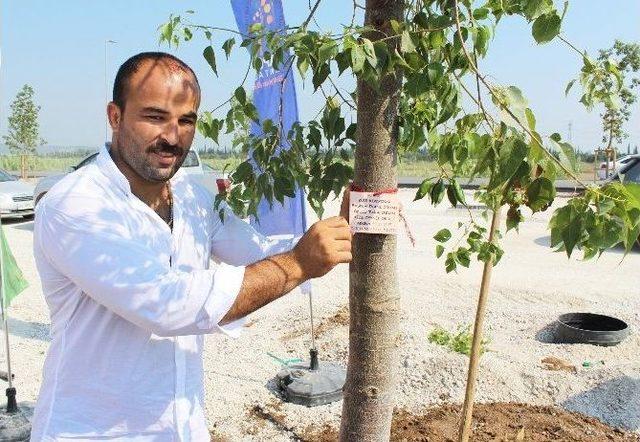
[{"x": 59, "y": 49}]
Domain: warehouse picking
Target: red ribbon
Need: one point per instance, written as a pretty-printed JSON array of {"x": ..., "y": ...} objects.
[{"x": 375, "y": 193}]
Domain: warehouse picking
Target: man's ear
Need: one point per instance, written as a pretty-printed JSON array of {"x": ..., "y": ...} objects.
[{"x": 114, "y": 114}]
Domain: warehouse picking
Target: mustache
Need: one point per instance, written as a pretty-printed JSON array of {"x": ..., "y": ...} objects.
[{"x": 164, "y": 147}]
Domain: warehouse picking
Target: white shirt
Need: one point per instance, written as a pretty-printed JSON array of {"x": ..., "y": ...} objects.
[{"x": 129, "y": 302}]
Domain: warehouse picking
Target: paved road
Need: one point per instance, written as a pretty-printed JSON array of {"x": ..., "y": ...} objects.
[
  {"x": 404, "y": 182},
  {"x": 561, "y": 185}
]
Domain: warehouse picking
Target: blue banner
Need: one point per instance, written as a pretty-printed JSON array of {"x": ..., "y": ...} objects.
[{"x": 288, "y": 218}]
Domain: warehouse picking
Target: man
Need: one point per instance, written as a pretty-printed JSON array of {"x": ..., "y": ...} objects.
[{"x": 124, "y": 246}]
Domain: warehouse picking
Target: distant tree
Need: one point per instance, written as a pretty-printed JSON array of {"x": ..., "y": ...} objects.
[
  {"x": 617, "y": 113},
  {"x": 23, "y": 137}
]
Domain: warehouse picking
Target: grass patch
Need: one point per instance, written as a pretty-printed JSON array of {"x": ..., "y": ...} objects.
[
  {"x": 57, "y": 162},
  {"x": 39, "y": 163},
  {"x": 459, "y": 341},
  {"x": 220, "y": 163}
]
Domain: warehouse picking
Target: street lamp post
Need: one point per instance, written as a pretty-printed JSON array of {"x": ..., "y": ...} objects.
[{"x": 106, "y": 88}]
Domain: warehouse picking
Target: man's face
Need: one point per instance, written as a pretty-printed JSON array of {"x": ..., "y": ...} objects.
[{"x": 154, "y": 131}]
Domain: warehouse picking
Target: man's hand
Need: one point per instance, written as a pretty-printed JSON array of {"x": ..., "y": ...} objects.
[{"x": 326, "y": 244}]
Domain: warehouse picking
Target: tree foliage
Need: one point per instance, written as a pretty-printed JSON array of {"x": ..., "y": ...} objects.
[
  {"x": 437, "y": 51},
  {"x": 23, "y": 136},
  {"x": 627, "y": 58}
]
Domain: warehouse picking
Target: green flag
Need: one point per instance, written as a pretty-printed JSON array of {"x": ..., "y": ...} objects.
[{"x": 13, "y": 282}]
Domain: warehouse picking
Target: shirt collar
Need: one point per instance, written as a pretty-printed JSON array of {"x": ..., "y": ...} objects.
[{"x": 109, "y": 168}]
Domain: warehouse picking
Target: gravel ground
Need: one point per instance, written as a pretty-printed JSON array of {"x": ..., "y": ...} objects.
[{"x": 531, "y": 287}]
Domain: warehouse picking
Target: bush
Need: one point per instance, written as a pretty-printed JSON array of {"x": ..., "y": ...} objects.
[{"x": 459, "y": 342}]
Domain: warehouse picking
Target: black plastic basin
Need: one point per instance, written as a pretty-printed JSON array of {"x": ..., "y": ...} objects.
[{"x": 589, "y": 328}]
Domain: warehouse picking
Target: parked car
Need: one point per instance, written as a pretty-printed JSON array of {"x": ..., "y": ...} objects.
[
  {"x": 198, "y": 171},
  {"x": 620, "y": 163},
  {"x": 16, "y": 197},
  {"x": 629, "y": 172},
  {"x": 47, "y": 182}
]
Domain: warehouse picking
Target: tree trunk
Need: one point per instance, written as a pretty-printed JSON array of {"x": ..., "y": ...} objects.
[
  {"x": 23, "y": 166},
  {"x": 373, "y": 290}
]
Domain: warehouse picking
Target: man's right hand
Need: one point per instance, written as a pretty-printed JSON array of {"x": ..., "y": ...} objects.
[{"x": 325, "y": 245}]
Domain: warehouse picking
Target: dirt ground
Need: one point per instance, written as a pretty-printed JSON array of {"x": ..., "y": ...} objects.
[
  {"x": 531, "y": 286},
  {"x": 492, "y": 423}
]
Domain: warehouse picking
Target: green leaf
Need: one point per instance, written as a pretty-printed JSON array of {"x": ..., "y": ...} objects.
[
  {"x": 369, "y": 52},
  {"x": 515, "y": 98},
  {"x": 569, "y": 86},
  {"x": 439, "y": 250},
  {"x": 546, "y": 27},
  {"x": 399, "y": 60},
  {"x": 358, "y": 58},
  {"x": 255, "y": 28},
  {"x": 303, "y": 65},
  {"x": 242, "y": 172},
  {"x": 481, "y": 39},
  {"x": 343, "y": 59},
  {"x": 568, "y": 156},
  {"x": 424, "y": 189},
  {"x": 451, "y": 194},
  {"x": 241, "y": 95},
  {"x": 435, "y": 71},
  {"x": 210, "y": 56},
  {"x": 327, "y": 51},
  {"x": 634, "y": 192},
  {"x": 406, "y": 44},
  {"x": 320, "y": 75},
  {"x": 257, "y": 64},
  {"x": 443, "y": 235},
  {"x": 459, "y": 192},
  {"x": 462, "y": 256},
  {"x": 512, "y": 153},
  {"x": 480, "y": 13},
  {"x": 540, "y": 194},
  {"x": 531, "y": 119},
  {"x": 437, "y": 39},
  {"x": 571, "y": 235},
  {"x": 165, "y": 31},
  {"x": 228, "y": 45},
  {"x": 514, "y": 218},
  {"x": 450, "y": 263},
  {"x": 437, "y": 192},
  {"x": 251, "y": 112},
  {"x": 535, "y": 8},
  {"x": 396, "y": 26}
]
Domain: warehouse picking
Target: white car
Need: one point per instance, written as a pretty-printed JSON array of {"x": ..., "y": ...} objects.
[
  {"x": 620, "y": 162},
  {"x": 16, "y": 197},
  {"x": 192, "y": 165}
]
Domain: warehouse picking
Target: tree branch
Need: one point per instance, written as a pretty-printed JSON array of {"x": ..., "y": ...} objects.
[{"x": 504, "y": 106}]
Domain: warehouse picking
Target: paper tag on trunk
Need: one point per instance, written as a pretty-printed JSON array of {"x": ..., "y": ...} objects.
[{"x": 374, "y": 213}]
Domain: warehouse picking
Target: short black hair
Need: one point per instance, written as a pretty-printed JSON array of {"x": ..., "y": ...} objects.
[{"x": 131, "y": 66}]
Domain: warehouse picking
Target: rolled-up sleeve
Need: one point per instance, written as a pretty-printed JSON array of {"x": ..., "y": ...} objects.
[{"x": 130, "y": 279}]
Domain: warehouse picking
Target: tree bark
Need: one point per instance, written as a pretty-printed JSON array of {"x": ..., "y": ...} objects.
[
  {"x": 23, "y": 166},
  {"x": 373, "y": 290}
]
